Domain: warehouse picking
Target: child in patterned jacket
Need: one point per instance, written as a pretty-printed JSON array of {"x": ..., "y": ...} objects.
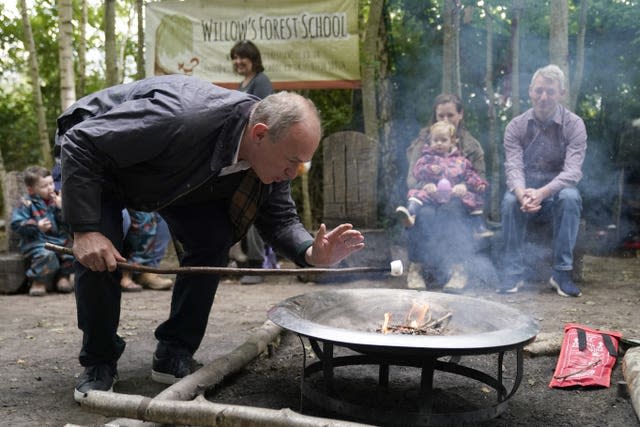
[
  {"x": 444, "y": 175},
  {"x": 37, "y": 220}
]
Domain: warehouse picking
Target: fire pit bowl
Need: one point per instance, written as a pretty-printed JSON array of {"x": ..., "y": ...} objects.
[{"x": 352, "y": 319}]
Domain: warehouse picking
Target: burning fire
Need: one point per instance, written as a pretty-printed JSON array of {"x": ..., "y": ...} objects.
[{"x": 418, "y": 321}]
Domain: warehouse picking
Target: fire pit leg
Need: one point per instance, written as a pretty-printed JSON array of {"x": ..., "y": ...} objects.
[
  {"x": 383, "y": 375},
  {"x": 426, "y": 387},
  {"x": 327, "y": 366}
]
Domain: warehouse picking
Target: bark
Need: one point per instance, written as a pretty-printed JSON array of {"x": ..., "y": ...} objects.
[
  {"x": 200, "y": 412},
  {"x": 82, "y": 50},
  {"x": 517, "y": 7},
  {"x": 388, "y": 150},
  {"x": 175, "y": 405},
  {"x": 559, "y": 39},
  {"x": 491, "y": 120},
  {"x": 110, "y": 51},
  {"x": 65, "y": 54},
  {"x": 140, "y": 52},
  {"x": 43, "y": 134},
  {"x": 369, "y": 95},
  {"x": 631, "y": 372},
  {"x": 451, "y": 47},
  {"x": 576, "y": 81}
]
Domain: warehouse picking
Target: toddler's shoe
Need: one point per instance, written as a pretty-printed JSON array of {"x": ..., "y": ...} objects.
[
  {"x": 37, "y": 289},
  {"x": 63, "y": 285},
  {"x": 405, "y": 217},
  {"x": 154, "y": 281}
]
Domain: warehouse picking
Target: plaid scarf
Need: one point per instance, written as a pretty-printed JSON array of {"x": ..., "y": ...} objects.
[{"x": 243, "y": 208}]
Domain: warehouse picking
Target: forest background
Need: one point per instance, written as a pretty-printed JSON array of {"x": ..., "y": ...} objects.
[{"x": 54, "y": 52}]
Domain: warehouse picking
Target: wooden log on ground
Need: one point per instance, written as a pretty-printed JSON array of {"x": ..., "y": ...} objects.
[
  {"x": 631, "y": 372},
  {"x": 203, "y": 379},
  {"x": 201, "y": 412},
  {"x": 546, "y": 344}
]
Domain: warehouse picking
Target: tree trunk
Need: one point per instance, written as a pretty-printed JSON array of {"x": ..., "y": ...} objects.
[
  {"x": 110, "y": 51},
  {"x": 65, "y": 54},
  {"x": 559, "y": 39},
  {"x": 388, "y": 149},
  {"x": 82, "y": 50},
  {"x": 34, "y": 71},
  {"x": 140, "y": 52},
  {"x": 369, "y": 95},
  {"x": 451, "y": 47},
  {"x": 576, "y": 81},
  {"x": 515, "y": 57},
  {"x": 491, "y": 120}
]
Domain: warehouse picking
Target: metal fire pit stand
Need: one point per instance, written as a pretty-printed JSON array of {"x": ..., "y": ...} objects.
[{"x": 327, "y": 399}]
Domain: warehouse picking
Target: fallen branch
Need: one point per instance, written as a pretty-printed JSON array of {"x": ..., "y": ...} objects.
[
  {"x": 201, "y": 412},
  {"x": 204, "y": 378}
]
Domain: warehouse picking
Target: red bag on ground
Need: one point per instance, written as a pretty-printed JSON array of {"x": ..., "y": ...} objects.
[{"x": 586, "y": 357}]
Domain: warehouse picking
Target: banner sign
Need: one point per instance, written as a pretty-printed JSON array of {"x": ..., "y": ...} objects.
[{"x": 305, "y": 44}]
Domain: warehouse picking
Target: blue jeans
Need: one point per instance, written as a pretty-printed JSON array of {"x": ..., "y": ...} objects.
[{"x": 563, "y": 210}]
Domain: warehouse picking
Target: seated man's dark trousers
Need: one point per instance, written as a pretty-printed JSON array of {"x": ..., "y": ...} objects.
[{"x": 563, "y": 210}]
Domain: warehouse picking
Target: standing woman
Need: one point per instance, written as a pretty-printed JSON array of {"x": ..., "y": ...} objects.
[{"x": 247, "y": 62}]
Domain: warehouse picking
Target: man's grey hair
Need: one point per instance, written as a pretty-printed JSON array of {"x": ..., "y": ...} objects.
[
  {"x": 282, "y": 110},
  {"x": 552, "y": 72}
]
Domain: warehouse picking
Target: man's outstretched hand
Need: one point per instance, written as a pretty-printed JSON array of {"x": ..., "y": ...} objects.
[
  {"x": 332, "y": 247},
  {"x": 95, "y": 251}
]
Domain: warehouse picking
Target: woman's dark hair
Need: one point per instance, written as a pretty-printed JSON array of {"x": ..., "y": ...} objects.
[
  {"x": 246, "y": 49},
  {"x": 445, "y": 98}
]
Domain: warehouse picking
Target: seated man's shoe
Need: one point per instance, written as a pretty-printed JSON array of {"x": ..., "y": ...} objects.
[
  {"x": 63, "y": 285},
  {"x": 562, "y": 283},
  {"x": 171, "y": 369},
  {"x": 154, "y": 281},
  {"x": 415, "y": 280},
  {"x": 37, "y": 289},
  {"x": 510, "y": 285},
  {"x": 457, "y": 282},
  {"x": 405, "y": 217},
  {"x": 481, "y": 231},
  {"x": 98, "y": 377}
]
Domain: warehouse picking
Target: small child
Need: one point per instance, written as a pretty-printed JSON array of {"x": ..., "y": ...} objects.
[
  {"x": 38, "y": 220},
  {"x": 442, "y": 172}
]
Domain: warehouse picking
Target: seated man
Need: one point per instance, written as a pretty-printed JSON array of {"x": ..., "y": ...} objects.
[{"x": 544, "y": 151}]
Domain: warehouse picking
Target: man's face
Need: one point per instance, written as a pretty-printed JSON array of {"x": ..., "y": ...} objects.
[
  {"x": 278, "y": 161},
  {"x": 545, "y": 95},
  {"x": 43, "y": 188}
]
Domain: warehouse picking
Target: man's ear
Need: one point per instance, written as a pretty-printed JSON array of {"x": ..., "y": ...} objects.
[{"x": 259, "y": 131}]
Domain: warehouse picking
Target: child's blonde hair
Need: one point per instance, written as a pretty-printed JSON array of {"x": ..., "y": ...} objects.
[{"x": 444, "y": 127}]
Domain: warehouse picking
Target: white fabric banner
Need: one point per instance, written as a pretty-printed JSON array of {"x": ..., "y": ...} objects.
[{"x": 304, "y": 44}]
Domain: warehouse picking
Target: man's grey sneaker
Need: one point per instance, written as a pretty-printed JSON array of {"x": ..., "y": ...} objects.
[
  {"x": 562, "y": 283},
  {"x": 510, "y": 285},
  {"x": 171, "y": 369},
  {"x": 98, "y": 377}
]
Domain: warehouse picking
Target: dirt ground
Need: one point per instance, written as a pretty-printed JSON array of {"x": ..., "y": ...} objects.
[{"x": 39, "y": 342}]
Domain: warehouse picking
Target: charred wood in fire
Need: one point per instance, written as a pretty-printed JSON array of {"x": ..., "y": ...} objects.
[{"x": 433, "y": 327}]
